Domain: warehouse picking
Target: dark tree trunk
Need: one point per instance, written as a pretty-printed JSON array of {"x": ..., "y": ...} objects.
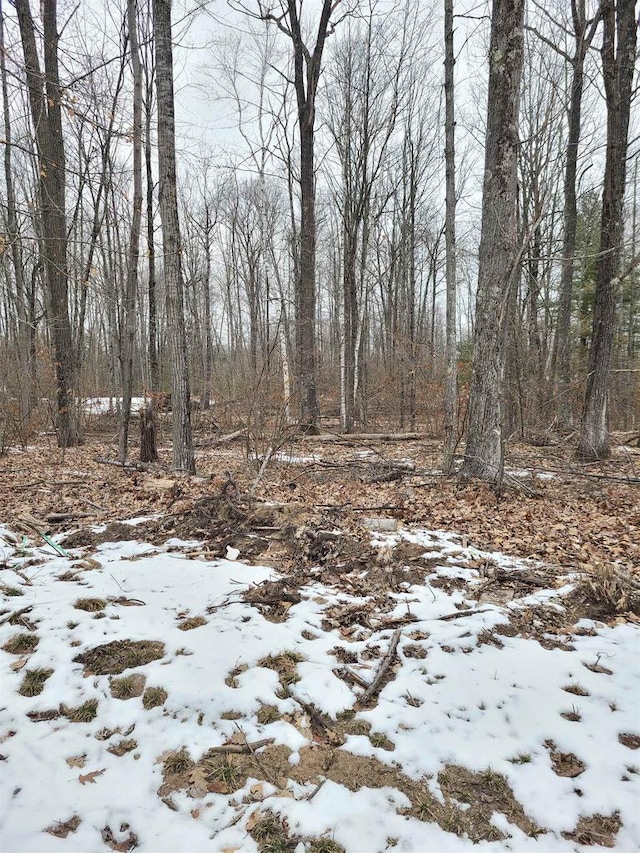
[
  {"x": 148, "y": 433},
  {"x": 307, "y": 67},
  {"x": 498, "y": 243},
  {"x": 46, "y": 114},
  {"x": 618, "y": 65},
  {"x": 562, "y": 343},
  {"x": 183, "y": 457},
  {"x": 128, "y": 326},
  {"x": 451, "y": 347}
]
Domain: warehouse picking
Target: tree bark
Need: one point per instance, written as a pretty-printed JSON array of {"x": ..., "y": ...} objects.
[
  {"x": 618, "y": 65},
  {"x": 46, "y": 114},
  {"x": 562, "y": 345},
  {"x": 128, "y": 326},
  {"x": 498, "y": 250},
  {"x": 183, "y": 456},
  {"x": 451, "y": 345}
]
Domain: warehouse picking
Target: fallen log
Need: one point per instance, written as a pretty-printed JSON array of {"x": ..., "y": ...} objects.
[{"x": 368, "y": 436}]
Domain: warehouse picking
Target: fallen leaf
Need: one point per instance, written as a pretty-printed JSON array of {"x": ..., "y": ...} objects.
[
  {"x": 77, "y": 760},
  {"x": 90, "y": 777},
  {"x": 18, "y": 664},
  {"x": 217, "y": 787},
  {"x": 195, "y": 813},
  {"x": 252, "y": 820}
]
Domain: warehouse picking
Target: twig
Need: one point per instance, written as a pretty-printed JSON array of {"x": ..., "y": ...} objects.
[
  {"x": 315, "y": 790},
  {"x": 15, "y": 614},
  {"x": 241, "y": 749},
  {"x": 263, "y": 468},
  {"x": 252, "y": 750},
  {"x": 344, "y": 670},
  {"x": 462, "y": 613},
  {"x": 384, "y": 666}
]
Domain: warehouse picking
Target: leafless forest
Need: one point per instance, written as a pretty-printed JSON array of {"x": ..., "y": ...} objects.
[{"x": 398, "y": 217}]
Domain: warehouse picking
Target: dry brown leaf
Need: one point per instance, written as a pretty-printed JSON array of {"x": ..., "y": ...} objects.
[
  {"x": 87, "y": 563},
  {"x": 195, "y": 813},
  {"x": 90, "y": 777},
  {"x": 77, "y": 760},
  {"x": 18, "y": 664},
  {"x": 252, "y": 820},
  {"x": 231, "y": 849},
  {"x": 257, "y": 791},
  {"x": 217, "y": 787}
]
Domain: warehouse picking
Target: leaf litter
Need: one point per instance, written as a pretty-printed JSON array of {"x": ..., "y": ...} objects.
[{"x": 267, "y": 740}]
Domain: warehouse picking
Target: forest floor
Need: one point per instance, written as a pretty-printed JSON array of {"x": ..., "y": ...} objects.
[{"x": 354, "y": 653}]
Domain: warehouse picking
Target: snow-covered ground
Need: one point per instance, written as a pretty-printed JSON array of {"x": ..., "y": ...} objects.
[
  {"x": 453, "y": 701},
  {"x": 102, "y": 405}
]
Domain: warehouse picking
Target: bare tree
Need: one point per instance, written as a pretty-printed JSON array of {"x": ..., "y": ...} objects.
[
  {"x": 618, "y": 65},
  {"x": 451, "y": 347},
  {"x": 584, "y": 30},
  {"x": 497, "y": 259},
  {"x": 45, "y": 100},
  {"x": 307, "y": 64},
  {"x": 183, "y": 456},
  {"x": 128, "y": 325}
]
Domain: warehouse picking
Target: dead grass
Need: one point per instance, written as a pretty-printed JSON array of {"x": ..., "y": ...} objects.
[
  {"x": 10, "y": 591},
  {"x": 113, "y": 658},
  {"x": 34, "y": 681},
  {"x": 127, "y": 687},
  {"x": 191, "y": 623},
  {"x": 123, "y": 747},
  {"x": 154, "y": 697},
  {"x": 629, "y": 740},
  {"x": 484, "y": 793},
  {"x": 611, "y": 590},
  {"x": 178, "y": 762},
  {"x": 84, "y": 713},
  {"x": 285, "y": 664},
  {"x": 91, "y": 605},
  {"x": 20, "y": 644},
  {"x": 596, "y": 830}
]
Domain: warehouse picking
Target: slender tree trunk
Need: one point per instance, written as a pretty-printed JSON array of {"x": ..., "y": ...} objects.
[
  {"x": 484, "y": 451},
  {"x": 128, "y": 328},
  {"x": 46, "y": 114},
  {"x": 618, "y": 65},
  {"x": 562, "y": 341},
  {"x": 451, "y": 341},
  {"x": 183, "y": 457},
  {"x": 22, "y": 317}
]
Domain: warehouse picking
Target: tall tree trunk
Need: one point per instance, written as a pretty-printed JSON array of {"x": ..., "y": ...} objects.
[
  {"x": 451, "y": 340},
  {"x": 307, "y": 66},
  {"x": 128, "y": 327},
  {"x": 20, "y": 294},
  {"x": 562, "y": 343},
  {"x": 618, "y": 65},
  {"x": 483, "y": 456},
  {"x": 46, "y": 113},
  {"x": 183, "y": 457}
]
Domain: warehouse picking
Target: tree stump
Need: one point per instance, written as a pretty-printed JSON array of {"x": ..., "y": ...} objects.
[{"x": 148, "y": 433}]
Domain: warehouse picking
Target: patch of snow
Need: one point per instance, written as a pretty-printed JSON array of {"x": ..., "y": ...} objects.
[{"x": 464, "y": 703}]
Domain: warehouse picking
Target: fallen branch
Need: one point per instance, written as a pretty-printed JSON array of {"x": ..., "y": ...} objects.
[
  {"x": 462, "y": 613},
  {"x": 348, "y": 674},
  {"x": 252, "y": 749},
  {"x": 16, "y": 614},
  {"x": 239, "y": 433},
  {"x": 382, "y": 669},
  {"x": 369, "y": 436},
  {"x": 241, "y": 748}
]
